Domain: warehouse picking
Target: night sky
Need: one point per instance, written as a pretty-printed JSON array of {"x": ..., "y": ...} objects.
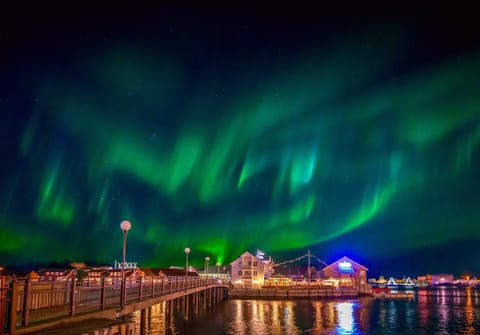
[{"x": 347, "y": 131}]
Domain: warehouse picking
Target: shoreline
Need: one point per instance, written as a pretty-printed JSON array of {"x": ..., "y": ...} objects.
[{"x": 284, "y": 293}]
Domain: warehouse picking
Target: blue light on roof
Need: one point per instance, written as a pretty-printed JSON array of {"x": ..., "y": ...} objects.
[{"x": 345, "y": 267}]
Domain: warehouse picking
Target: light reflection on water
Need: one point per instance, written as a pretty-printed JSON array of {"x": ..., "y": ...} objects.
[{"x": 446, "y": 311}]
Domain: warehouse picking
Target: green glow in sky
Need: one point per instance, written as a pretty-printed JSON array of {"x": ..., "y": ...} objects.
[{"x": 344, "y": 138}]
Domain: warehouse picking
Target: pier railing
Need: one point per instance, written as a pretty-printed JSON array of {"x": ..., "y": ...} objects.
[{"x": 25, "y": 302}]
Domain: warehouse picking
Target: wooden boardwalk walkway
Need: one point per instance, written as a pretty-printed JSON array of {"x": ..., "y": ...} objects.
[{"x": 28, "y": 307}]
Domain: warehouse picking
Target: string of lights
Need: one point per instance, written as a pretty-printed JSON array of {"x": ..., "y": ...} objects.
[{"x": 299, "y": 258}]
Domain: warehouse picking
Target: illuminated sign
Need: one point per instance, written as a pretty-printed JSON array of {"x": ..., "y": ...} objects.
[
  {"x": 260, "y": 254},
  {"x": 345, "y": 267},
  {"x": 128, "y": 265}
]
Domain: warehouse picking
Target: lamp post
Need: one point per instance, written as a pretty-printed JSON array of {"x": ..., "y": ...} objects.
[
  {"x": 125, "y": 226},
  {"x": 207, "y": 259},
  {"x": 187, "y": 251}
]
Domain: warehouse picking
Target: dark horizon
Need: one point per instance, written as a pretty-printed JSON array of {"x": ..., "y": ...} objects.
[{"x": 350, "y": 131}]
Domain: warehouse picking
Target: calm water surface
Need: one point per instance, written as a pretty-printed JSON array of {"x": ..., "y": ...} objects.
[{"x": 442, "y": 311}]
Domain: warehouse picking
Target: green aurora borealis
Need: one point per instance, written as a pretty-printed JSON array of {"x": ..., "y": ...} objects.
[{"x": 358, "y": 143}]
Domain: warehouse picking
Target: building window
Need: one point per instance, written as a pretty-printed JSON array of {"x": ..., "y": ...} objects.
[
  {"x": 240, "y": 272},
  {"x": 255, "y": 264},
  {"x": 254, "y": 273}
]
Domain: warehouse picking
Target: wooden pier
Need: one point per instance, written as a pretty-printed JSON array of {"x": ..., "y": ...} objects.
[
  {"x": 389, "y": 295},
  {"x": 31, "y": 307}
]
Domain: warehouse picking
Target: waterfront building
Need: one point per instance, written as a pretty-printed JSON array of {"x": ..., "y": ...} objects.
[
  {"x": 54, "y": 274},
  {"x": 441, "y": 279},
  {"x": 20, "y": 274},
  {"x": 247, "y": 271},
  {"x": 95, "y": 275},
  {"x": 278, "y": 280},
  {"x": 467, "y": 281},
  {"x": 348, "y": 272},
  {"x": 172, "y": 273},
  {"x": 268, "y": 263},
  {"x": 423, "y": 281}
]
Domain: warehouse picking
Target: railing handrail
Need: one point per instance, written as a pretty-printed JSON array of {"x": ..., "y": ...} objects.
[{"x": 30, "y": 301}]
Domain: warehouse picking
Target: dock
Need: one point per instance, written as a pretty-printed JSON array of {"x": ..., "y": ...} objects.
[{"x": 388, "y": 295}]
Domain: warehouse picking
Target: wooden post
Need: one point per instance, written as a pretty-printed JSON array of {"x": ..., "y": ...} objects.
[
  {"x": 186, "y": 307},
  {"x": 12, "y": 325},
  {"x": 153, "y": 287},
  {"x": 102, "y": 293},
  {"x": 149, "y": 317},
  {"x": 194, "y": 296},
  {"x": 73, "y": 297},
  {"x": 143, "y": 321},
  {"x": 26, "y": 302},
  {"x": 140, "y": 289},
  {"x": 170, "y": 312},
  {"x": 205, "y": 298},
  {"x": 163, "y": 287}
]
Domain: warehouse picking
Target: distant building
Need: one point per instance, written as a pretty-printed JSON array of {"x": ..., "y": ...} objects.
[
  {"x": 171, "y": 272},
  {"x": 20, "y": 274},
  {"x": 54, "y": 274},
  {"x": 441, "y": 279},
  {"x": 467, "y": 281},
  {"x": 347, "y": 272},
  {"x": 247, "y": 271},
  {"x": 95, "y": 275},
  {"x": 268, "y": 263}
]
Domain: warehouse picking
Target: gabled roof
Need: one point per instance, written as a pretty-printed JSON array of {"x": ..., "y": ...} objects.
[
  {"x": 64, "y": 271},
  {"x": 150, "y": 272},
  {"x": 345, "y": 259},
  {"x": 392, "y": 281},
  {"x": 246, "y": 253}
]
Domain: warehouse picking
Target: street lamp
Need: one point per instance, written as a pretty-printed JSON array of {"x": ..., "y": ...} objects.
[
  {"x": 187, "y": 251},
  {"x": 207, "y": 259},
  {"x": 125, "y": 226}
]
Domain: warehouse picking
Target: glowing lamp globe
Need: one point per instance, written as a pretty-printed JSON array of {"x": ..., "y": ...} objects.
[
  {"x": 125, "y": 225},
  {"x": 187, "y": 250}
]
